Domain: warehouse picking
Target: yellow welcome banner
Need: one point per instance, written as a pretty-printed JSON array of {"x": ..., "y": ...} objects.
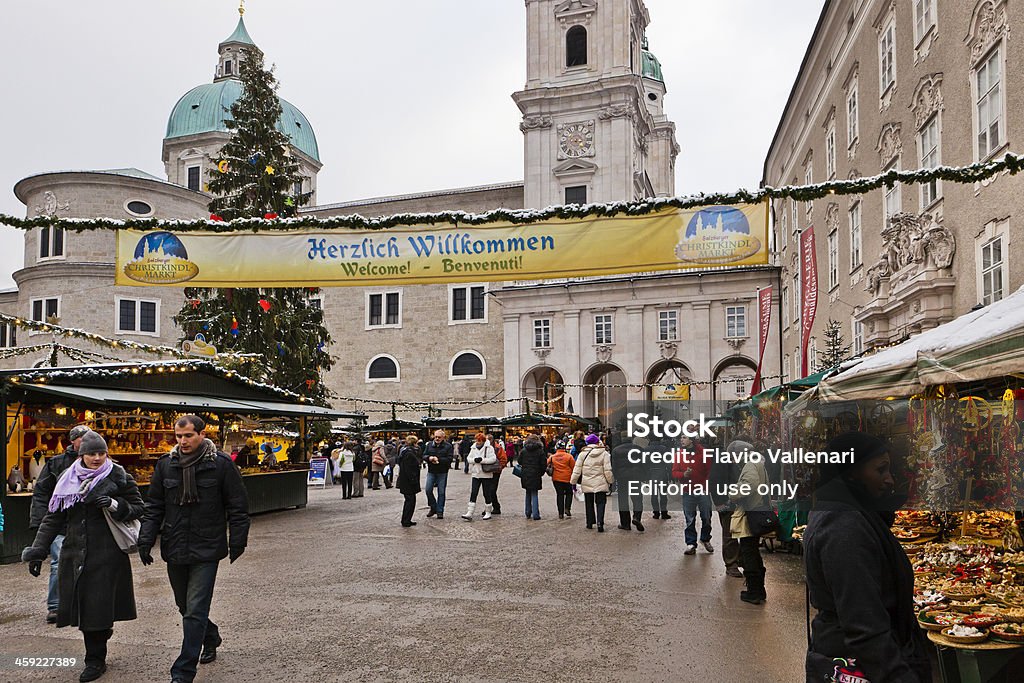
[{"x": 668, "y": 239}]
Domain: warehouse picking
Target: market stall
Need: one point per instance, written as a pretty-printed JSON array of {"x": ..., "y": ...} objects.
[{"x": 134, "y": 405}]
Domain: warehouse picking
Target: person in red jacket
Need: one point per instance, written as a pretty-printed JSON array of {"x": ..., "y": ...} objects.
[{"x": 690, "y": 468}]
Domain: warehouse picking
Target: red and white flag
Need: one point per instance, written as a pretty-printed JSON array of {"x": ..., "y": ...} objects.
[
  {"x": 808, "y": 292},
  {"x": 764, "y": 321}
]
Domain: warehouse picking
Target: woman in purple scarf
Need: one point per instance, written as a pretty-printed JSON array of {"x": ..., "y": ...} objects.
[{"x": 95, "y": 575}]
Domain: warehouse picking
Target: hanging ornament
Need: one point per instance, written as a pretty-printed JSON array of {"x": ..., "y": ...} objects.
[
  {"x": 234, "y": 327},
  {"x": 215, "y": 217},
  {"x": 280, "y": 349},
  {"x": 222, "y": 166},
  {"x": 206, "y": 187},
  {"x": 310, "y": 383},
  {"x": 264, "y": 304},
  {"x": 206, "y": 328},
  {"x": 289, "y": 201},
  {"x": 195, "y": 303},
  {"x": 270, "y": 169},
  {"x": 255, "y": 158},
  {"x": 320, "y": 347},
  {"x": 270, "y": 216}
]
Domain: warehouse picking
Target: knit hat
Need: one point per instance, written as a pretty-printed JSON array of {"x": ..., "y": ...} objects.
[
  {"x": 865, "y": 447},
  {"x": 78, "y": 431},
  {"x": 593, "y": 438},
  {"x": 92, "y": 443}
]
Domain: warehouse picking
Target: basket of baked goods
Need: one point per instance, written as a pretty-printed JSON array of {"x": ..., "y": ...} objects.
[
  {"x": 1007, "y": 632},
  {"x": 965, "y": 635},
  {"x": 929, "y": 620},
  {"x": 956, "y": 590},
  {"x": 981, "y": 619},
  {"x": 1011, "y": 596},
  {"x": 928, "y": 599}
]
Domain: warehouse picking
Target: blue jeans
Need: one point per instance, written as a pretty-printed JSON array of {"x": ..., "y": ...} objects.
[
  {"x": 52, "y": 597},
  {"x": 193, "y": 592},
  {"x": 691, "y": 504},
  {"x": 532, "y": 503},
  {"x": 440, "y": 480}
]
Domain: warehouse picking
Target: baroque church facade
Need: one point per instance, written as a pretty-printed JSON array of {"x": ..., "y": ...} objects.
[{"x": 594, "y": 130}]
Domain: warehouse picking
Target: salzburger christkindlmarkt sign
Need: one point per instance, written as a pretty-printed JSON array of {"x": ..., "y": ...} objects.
[{"x": 666, "y": 239}]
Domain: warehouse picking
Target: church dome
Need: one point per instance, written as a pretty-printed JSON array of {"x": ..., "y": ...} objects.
[
  {"x": 651, "y": 67},
  {"x": 204, "y": 108}
]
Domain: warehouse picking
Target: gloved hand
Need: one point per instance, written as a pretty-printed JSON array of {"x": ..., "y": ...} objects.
[
  {"x": 145, "y": 556},
  {"x": 478, "y": 459},
  {"x": 33, "y": 554},
  {"x": 35, "y": 567},
  {"x": 101, "y": 501},
  {"x": 234, "y": 553}
]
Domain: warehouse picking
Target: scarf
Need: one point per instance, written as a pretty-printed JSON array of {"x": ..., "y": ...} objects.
[
  {"x": 75, "y": 482},
  {"x": 189, "y": 493}
]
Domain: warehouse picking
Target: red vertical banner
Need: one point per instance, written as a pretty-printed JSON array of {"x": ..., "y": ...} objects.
[
  {"x": 808, "y": 292},
  {"x": 764, "y": 320}
]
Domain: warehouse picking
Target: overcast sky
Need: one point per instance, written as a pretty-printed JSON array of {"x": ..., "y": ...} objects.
[{"x": 404, "y": 96}]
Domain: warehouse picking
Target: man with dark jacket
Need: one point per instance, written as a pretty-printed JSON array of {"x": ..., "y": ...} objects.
[
  {"x": 464, "y": 447},
  {"x": 196, "y": 493},
  {"x": 45, "y": 484},
  {"x": 721, "y": 475},
  {"x": 438, "y": 455}
]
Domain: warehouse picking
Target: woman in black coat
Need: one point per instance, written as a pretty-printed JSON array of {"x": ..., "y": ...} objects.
[
  {"x": 859, "y": 578},
  {"x": 533, "y": 461},
  {"x": 94, "y": 576},
  {"x": 409, "y": 477}
]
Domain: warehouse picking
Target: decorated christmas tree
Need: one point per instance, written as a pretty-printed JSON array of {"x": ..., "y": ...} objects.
[
  {"x": 256, "y": 178},
  {"x": 836, "y": 350}
]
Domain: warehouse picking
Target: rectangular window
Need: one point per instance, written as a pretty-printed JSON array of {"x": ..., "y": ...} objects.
[
  {"x": 812, "y": 356},
  {"x": 793, "y": 213},
  {"x": 786, "y": 369},
  {"x": 795, "y": 319},
  {"x": 992, "y": 271},
  {"x": 45, "y": 308},
  {"x": 193, "y": 177},
  {"x": 297, "y": 188},
  {"x": 855, "y": 237},
  {"x": 735, "y": 321},
  {"x": 542, "y": 333},
  {"x": 833, "y": 259},
  {"x": 668, "y": 325},
  {"x": 852, "y": 121},
  {"x": 383, "y": 309},
  {"x": 886, "y": 59},
  {"x": 893, "y": 195},
  {"x": 51, "y": 242},
  {"x": 134, "y": 315},
  {"x": 924, "y": 18},
  {"x": 468, "y": 304},
  {"x": 808, "y": 179},
  {"x": 784, "y": 229},
  {"x": 928, "y": 142},
  {"x": 576, "y": 195},
  {"x": 830, "y": 154},
  {"x": 603, "y": 329},
  {"x": 990, "y": 105},
  {"x": 8, "y": 335},
  {"x": 858, "y": 338},
  {"x": 785, "y": 307}
]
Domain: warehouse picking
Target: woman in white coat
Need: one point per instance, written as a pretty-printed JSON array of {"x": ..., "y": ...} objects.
[
  {"x": 480, "y": 454},
  {"x": 593, "y": 472},
  {"x": 753, "y": 475}
]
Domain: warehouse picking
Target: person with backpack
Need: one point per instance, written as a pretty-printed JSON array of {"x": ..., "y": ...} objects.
[
  {"x": 482, "y": 464},
  {"x": 358, "y": 465}
]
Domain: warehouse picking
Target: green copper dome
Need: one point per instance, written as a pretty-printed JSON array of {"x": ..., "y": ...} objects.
[
  {"x": 240, "y": 35},
  {"x": 651, "y": 67},
  {"x": 204, "y": 108}
]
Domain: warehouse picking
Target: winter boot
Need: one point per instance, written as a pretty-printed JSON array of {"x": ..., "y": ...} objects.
[
  {"x": 636, "y": 521},
  {"x": 487, "y": 512},
  {"x": 624, "y": 521},
  {"x": 469, "y": 512}
]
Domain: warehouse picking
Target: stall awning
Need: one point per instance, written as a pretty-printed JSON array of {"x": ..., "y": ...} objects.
[
  {"x": 156, "y": 400},
  {"x": 530, "y": 420}
]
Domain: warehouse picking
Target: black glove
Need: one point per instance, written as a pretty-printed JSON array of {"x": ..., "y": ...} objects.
[
  {"x": 478, "y": 459},
  {"x": 35, "y": 567},
  {"x": 235, "y": 552},
  {"x": 101, "y": 501},
  {"x": 145, "y": 556}
]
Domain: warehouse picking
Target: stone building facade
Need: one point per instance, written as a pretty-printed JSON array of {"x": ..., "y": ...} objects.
[{"x": 902, "y": 85}]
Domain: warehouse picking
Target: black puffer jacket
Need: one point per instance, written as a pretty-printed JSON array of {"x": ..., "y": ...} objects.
[
  {"x": 444, "y": 454},
  {"x": 533, "y": 460},
  {"x": 94, "y": 575},
  {"x": 196, "y": 533},
  {"x": 45, "y": 483}
]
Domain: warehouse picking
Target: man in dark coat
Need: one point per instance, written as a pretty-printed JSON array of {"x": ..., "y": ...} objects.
[
  {"x": 533, "y": 462},
  {"x": 409, "y": 478},
  {"x": 625, "y": 472},
  {"x": 45, "y": 483},
  {"x": 464, "y": 447},
  {"x": 438, "y": 454},
  {"x": 196, "y": 493}
]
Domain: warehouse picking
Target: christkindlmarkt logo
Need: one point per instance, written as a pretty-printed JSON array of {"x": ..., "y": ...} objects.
[
  {"x": 717, "y": 235},
  {"x": 160, "y": 258}
]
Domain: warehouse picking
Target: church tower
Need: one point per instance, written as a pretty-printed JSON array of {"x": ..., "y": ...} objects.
[{"x": 593, "y": 121}]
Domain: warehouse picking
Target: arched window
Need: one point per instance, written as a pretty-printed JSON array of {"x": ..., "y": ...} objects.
[
  {"x": 467, "y": 365},
  {"x": 383, "y": 368},
  {"x": 576, "y": 46}
]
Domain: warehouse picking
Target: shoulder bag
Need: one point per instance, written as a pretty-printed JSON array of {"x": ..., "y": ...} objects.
[{"x": 126, "y": 534}]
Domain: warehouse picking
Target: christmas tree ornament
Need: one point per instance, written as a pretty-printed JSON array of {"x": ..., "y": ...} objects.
[
  {"x": 215, "y": 217},
  {"x": 254, "y": 159},
  {"x": 195, "y": 303},
  {"x": 234, "y": 327},
  {"x": 222, "y": 166},
  {"x": 310, "y": 383},
  {"x": 270, "y": 216},
  {"x": 270, "y": 169},
  {"x": 320, "y": 347},
  {"x": 265, "y": 305},
  {"x": 206, "y": 187},
  {"x": 280, "y": 349},
  {"x": 289, "y": 201}
]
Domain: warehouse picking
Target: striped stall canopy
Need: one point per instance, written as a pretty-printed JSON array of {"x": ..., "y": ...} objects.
[{"x": 979, "y": 345}]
